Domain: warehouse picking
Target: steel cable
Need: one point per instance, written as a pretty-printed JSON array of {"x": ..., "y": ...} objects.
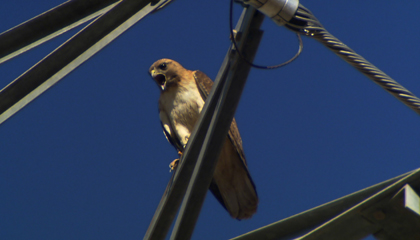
[{"x": 304, "y": 22}]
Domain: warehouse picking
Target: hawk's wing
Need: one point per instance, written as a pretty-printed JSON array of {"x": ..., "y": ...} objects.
[
  {"x": 172, "y": 140},
  {"x": 168, "y": 131},
  {"x": 205, "y": 84},
  {"x": 247, "y": 197}
]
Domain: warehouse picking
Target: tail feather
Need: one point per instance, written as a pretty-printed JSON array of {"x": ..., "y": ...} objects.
[{"x": 232, "y": 185}]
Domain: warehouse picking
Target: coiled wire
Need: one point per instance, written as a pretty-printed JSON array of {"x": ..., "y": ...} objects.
[{"x": 304, "y": 22}]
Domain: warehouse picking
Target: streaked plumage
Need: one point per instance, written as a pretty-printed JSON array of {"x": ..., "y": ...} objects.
[{"x": 183, "y": 93}]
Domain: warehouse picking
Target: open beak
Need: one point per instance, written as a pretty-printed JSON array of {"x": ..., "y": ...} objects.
[{"x": 159, "y": 78}]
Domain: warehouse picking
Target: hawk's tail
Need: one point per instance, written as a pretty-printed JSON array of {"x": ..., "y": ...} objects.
[{"x": 232, "y": 185}]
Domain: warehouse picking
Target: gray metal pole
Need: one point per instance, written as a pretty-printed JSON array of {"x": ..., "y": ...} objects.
[
  {"x": 219, "y": 126},
  {"x": 177, "y": 186},
  {"x": 175, "y": 191}
]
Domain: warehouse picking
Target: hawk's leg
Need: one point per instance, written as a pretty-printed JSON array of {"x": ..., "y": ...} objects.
[{"x": 175, "y": 162}]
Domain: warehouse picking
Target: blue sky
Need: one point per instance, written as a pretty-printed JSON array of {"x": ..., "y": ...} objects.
[{"x": 88, "y": 160}]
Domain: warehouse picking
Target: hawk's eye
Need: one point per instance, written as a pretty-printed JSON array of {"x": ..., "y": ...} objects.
[{"x": 162, "y": 66}]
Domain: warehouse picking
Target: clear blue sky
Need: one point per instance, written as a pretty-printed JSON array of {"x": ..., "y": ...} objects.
[{"x": 88, "y": 160}]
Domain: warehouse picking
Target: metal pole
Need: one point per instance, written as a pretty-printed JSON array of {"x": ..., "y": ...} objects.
[
  {"x": 177, "y": 186},
  {"x": 221, "y": 121},
  {"x": 171, "y": 200}
]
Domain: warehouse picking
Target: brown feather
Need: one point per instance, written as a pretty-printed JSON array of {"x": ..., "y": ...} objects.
[
  {"x": 179, "y": 108},
  {"x": 235, "y": 188}
]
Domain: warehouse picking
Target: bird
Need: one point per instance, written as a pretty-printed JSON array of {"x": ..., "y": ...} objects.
[{"x": 182, "y": 96}]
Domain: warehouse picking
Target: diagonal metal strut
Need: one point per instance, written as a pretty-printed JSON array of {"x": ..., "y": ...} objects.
[
  {"x": 50, "y": 24},
  {"x": 72, "y": 54},
  {"x": 205, "y": 142}
]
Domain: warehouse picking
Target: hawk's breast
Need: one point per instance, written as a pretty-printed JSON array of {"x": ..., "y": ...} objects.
[{"x": 182, "y": 105}]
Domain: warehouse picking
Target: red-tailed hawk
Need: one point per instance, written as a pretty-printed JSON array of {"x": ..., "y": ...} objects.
[{"x": 183, "y": 93}]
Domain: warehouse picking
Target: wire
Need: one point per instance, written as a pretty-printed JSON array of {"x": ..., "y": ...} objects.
[
  {"x": 304, "y": 22},
  {"x": 249, "y": 62}
]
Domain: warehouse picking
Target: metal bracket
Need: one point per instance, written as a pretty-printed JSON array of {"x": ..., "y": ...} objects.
[{"x": 280, "y": 11}]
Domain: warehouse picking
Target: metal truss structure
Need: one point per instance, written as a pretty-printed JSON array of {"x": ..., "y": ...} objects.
[{"x": 389, "y": 210}]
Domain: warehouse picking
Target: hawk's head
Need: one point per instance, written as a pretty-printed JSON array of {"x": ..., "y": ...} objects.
[{"x": 166, "y": 72}]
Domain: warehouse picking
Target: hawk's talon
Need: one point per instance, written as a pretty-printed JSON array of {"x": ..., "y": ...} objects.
[{"x": 173, "y": 164}]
